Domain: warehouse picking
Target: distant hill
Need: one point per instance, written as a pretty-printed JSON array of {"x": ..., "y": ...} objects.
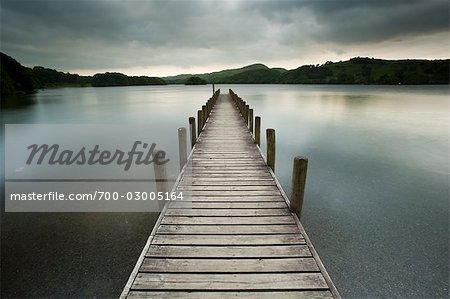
[
  {"x": 244, "y": 74},
  {"x": 46, "y": 77},
  {"x": 118, "y": 79},
  {"x": 354, "y": 71},
  {"x": 16, "y": 78},
  {"x": 371, "y": 71},
  {"x": 195, "y": 81}
]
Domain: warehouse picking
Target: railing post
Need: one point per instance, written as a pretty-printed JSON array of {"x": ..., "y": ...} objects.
[
  {"x": 270, "y": 137},
  {"x": 182, "y": 150},
  {"x": 199, "y": 121},
  {"x": 192, "y": 129},
  {"x": 250, "y": 120},
  {"x": 299, "y": 171},
  {"x": 258, "y": 130}
]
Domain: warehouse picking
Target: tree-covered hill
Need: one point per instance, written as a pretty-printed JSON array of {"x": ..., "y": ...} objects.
[
  {"x": 225, "y": 76},
  {"x": 371, "y": 71},
  {"x": 16, "y": 78},
  {"x": 195, "y": 81},
  {"x": 46, "y": 77},
  {"x": 354, "y": 71},
  {"x": 118, "y": 79}
]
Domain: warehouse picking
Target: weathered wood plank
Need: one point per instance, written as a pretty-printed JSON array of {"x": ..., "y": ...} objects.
[
  {"x": 224, "y": 193},
  {"x": 241, "y": 294},
  {"x": 228, "y": 251},
  {"x": 227, "y": 213},
  {"x": 273, "y": 281},
  {"x": 237, "y": 240},
  {"x": 256, "y": 198},
  {"x": 227, "y": 205},
  {"x": 186, "y": 220},
  {"x": 225, "y": 182},
  {"x": 228, "y": 188},
  {"x": 227, "y": 229},
  {"x": 229, "y": 266}
]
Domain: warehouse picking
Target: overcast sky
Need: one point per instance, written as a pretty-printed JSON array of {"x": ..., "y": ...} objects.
[{"x": 160, "y": 38}]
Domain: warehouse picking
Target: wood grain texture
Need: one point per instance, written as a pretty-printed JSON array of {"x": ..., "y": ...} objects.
[
  {"x": 227, "y": 252},
  {"x": 286, "y": 265},
  {"x": 250, "y": 281},
  {"x": 241, "y": 294}
]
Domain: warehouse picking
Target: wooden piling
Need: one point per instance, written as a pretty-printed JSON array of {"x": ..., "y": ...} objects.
[
  {"x": 192, "y": 129},
  {"x": 258, "y": 130},
  {"x": 199, "y": 121},
  {"x": 299, "y": 171},
  {"x": 250, "y": 120},
  {"x": 182, "y": 150},
  {"x": 204, "y": 115},
  {"x": 270, "y": 137},
  {"x": 246, "y": 111},
  {"x": 161, "y": 176}
]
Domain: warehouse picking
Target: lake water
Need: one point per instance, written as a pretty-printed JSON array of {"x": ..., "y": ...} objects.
[{"x": 376, "y": 203}]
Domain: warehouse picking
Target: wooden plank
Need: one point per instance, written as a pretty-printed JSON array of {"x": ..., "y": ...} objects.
[
  {"x": 222, "y": 167},
  {"x": 227, "y": 188},
  {"x": 228, "y": 205},
  {"x": 225, "y": 193},
  {"x": 241, "y": 294},
  {"x": 226, "y": 252},
  {"x": 227, "y": 229},
  {"x": 225, "y": 182},
  {"x": 227, "y": 212},
  {"x": 259, "y": 198},
  {"x": 288, "y": 239},
  {"x": 248, "y": 281},
  {"x": 284, "y": 265},
  {"x": 197, "y": 175},
  {"x": 228, "y": 220}
]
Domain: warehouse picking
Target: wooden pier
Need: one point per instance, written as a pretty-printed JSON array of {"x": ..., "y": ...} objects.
[{"x": 236, "y": 235}]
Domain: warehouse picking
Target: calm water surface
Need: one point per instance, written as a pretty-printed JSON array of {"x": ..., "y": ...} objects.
[{"x": 377, "y": 197}]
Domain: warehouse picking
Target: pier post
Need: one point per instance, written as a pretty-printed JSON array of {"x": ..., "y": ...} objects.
[
  {"x": 161, "y": 176},
  {"x": 182, "y": 150},
  {"x": 270, "y": 137},
  {"x": 299, "y": 171},
  {"x": 199, "y": 121},
  {"x": 192, "y": 129},
  {"x": 247, "y": 108},
  {"x": 204, "y": 115},
  {"x": 258, "y": 130},
  {"x": 250, "y": 120}
]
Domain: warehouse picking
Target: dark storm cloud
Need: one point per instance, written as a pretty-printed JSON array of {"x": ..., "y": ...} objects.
[
  {"x": 360, "y": 21},
  {"x": 125, "y": 34}
]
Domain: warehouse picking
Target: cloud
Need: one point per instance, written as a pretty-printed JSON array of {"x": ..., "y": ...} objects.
[{"x": 131, "y": 34}]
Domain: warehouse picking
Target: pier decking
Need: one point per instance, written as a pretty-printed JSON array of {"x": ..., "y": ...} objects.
[{"x": 237, "y": 237}]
